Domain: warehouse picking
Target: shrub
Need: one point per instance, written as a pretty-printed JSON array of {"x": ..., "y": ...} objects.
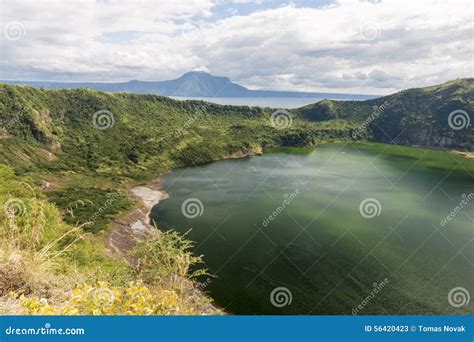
[
  {"x": 166, "y": 256},
  {"x": 29, "y": 223}
]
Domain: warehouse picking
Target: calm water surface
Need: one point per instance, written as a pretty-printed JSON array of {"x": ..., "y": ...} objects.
[
  {"x": 323, "y": 249},
  {"x": 272, "y": 102}
]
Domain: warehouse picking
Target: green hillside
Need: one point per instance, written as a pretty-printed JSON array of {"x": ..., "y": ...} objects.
[
  {"x": 64, "y": 153},
  {"x": 150, "y": 133},
  {"x": 85, "y": 142},
  {"x": 54, "y": 129},
  {"x": 70, "y": 154},
  {"x": 417, "y": 116}
]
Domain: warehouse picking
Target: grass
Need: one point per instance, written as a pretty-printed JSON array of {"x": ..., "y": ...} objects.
[
  {"x": 93, "y": 208},
  {"x": 64, "y": 180},
  {"x": 47, "y": 264}
]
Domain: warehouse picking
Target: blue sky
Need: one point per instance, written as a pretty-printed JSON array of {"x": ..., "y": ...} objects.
[
  {"x": 222, "y": 9},
  {"x": 225, "y": 8},
  {"x": 357, "y": 46}
]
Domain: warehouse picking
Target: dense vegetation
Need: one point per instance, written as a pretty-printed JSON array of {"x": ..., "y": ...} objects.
[
  {"x": 50, "y": 267},
  {"x": 418, "y": 116},
  {"x": 149, "y": 133},
  {"x": 69, "y": 156}
]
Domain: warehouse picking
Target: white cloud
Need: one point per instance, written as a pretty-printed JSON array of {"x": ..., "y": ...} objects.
[{"x": 349, "y": 45}]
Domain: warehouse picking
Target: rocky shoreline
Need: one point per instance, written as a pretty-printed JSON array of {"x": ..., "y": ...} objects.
[{"x": 135, "y": 224}]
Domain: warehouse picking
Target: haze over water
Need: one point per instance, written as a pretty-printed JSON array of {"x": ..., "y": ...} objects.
[
  {"x": 325, "y": 247},
  {"x": 272, "y": 102}
]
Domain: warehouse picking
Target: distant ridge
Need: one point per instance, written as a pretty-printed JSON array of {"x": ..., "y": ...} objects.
[{"x": 191, "y": 84}]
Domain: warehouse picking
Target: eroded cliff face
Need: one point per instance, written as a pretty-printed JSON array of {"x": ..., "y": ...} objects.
[
  {"x": 135, "y": 224},
  {"x": 426, "y": 137},
  {"x": 453, "y": 143},
  {"x": 439, "y": 116}
]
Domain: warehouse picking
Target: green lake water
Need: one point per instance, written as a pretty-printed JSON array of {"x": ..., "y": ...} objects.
[{"x": 354, "y": 229}]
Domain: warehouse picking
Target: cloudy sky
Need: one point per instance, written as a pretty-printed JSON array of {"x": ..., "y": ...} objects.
[{"x": 356, "y": 46}]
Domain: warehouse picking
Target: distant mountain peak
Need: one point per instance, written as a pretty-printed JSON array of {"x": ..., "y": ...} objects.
[
  {"x": 196, "y": 72},
  {"x": 190, "y": 84},
  {"x": 203, "y": 75}
]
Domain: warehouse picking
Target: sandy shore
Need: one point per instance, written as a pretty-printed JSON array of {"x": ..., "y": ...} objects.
[
  {"x": 135, "y": 224},
  {"x": 465, "y": 154},
  {"x": 149, "y": 196}
]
